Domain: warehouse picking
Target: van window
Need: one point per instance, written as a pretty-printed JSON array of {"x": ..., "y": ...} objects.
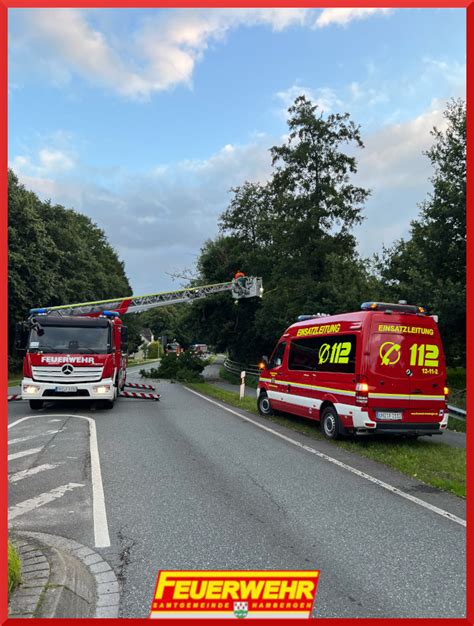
[
  {"x": 277, "y": 356},
  {"x": 323, "y": 354}
]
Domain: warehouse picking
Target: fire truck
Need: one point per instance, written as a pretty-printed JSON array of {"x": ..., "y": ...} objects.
[{"x": 79, "y": 351}]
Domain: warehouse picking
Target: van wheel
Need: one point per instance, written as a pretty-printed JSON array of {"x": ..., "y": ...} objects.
[
  {"x": 36, "y": 405},
  {"x": 108, "y": 404},
  {"x": 263, "y": 404},
  {"x": 330, "y": 423}
]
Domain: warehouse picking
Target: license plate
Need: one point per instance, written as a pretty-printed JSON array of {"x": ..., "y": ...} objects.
[
  {"x": 66, "y": 389},
  {"x": 389, "y": 415}
]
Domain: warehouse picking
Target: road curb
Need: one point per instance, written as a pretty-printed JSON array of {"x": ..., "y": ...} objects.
[{"x": 62, "y": 578}]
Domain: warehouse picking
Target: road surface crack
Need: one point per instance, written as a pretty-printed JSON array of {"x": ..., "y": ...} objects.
[{"x": 126, "y": 546}]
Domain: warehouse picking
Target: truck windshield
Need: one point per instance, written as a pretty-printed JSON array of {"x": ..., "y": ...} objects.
[{"x": 71, "y": 340}]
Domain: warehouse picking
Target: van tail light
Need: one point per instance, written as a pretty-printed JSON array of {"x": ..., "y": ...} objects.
[
  {"x": 362, "y": 391},
  {"x": 27, "y": 367}
]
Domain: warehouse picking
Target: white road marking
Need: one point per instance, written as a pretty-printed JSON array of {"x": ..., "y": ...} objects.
[
  {"x": 44, "y": 498},
  {"x": 14, "y": 478},
  {"x": 22, "y": 439},
  {"x": 18, "y": 455},
  {"x": 101, "y": 529},
  {"x": 353, "y": 470}
]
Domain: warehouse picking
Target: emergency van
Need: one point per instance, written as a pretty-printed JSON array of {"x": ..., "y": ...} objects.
[{"x": 379, "y": 370}]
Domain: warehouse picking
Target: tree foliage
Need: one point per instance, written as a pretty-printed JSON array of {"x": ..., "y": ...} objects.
[
  {"x": 187, "y": 367},
  {"x": 56, "y": 256},
  {"x": 430, "y": 266}
]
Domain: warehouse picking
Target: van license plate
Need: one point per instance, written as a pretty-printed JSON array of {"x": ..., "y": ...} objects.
[
  {"x": 389, "y": 415},
  {"x": 66, "y": 389}
]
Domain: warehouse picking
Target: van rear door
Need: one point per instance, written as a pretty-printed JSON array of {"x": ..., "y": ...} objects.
[
  {"x": 388, "y": 378},
  {"x": 406, "y": 368}
]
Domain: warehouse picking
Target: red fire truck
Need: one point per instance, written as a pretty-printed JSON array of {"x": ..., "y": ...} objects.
[
  {"x": 79, "y": 351},
  {"x": 379, "y": 370}
]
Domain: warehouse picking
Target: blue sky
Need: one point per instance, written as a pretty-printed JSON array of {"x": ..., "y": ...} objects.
[{"x": 144, "y": 119}]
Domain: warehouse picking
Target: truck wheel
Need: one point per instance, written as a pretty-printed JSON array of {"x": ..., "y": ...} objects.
[
  {"x": 330, "y": 423},
  {"x": 35, "y": 405},
  {"x": 108, "y": 404},
  {"x": 263, "y": 404}
]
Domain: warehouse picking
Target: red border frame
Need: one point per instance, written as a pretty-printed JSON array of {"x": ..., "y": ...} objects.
[{"x": 4, "y": 6}]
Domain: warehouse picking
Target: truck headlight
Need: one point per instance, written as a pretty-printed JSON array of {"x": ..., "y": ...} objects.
[
  {"x": 102, "y": 389},
  {"x": 31, "y": 389}
]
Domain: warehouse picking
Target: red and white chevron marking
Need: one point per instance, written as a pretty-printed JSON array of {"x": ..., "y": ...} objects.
[
  {"x": 141, "y": 395},
  {"x": 14, "y": 396},
  {"x": 140, "y": 386}
]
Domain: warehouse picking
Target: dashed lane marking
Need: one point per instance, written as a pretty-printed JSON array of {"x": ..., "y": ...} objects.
[
  {"x": 14, "y": 478},
  {"x": 23, "y": 439},
  {"x": 19, "y": 455},
  {"x": 44, "y": 498}
]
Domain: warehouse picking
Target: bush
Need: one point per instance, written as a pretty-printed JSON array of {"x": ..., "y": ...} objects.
[
  {"x": 186, "y": 368},
  {"x": 154, "y": 350},
  {"x": 456, "y": 377}
]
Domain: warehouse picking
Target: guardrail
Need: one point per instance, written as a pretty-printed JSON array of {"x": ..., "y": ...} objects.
[
  {"x": 234, "y": 367},
  {"x": 459, "y": 414}
]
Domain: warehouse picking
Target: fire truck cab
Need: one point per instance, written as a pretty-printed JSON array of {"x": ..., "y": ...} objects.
[
  {"x": 378, "y": 370},
  {"x": 74, "y": 358}
]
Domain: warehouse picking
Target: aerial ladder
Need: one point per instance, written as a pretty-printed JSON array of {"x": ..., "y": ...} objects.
[{"x": 248, "y": 287}]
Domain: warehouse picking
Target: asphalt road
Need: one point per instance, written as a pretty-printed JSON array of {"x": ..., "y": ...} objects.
[{"x": 189, "y": 485}]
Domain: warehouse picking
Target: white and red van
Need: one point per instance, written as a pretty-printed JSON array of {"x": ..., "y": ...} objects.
[{"x": 378, "y": 370}]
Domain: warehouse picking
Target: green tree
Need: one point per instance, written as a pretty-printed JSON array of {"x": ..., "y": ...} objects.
[{"x": 430, "y": 266}]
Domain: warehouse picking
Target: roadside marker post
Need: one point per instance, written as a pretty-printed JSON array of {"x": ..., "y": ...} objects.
[{"x": 242, "y": 384}]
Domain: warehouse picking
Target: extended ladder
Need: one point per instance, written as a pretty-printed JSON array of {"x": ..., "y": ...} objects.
[{"x": 250, "y": 287}]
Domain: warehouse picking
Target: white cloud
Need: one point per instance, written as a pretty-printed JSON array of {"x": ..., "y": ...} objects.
[
  {"x": 324, "y": 97},
  {"x": 47, "y": 161},
  {"x": 394, "y": 167},
  {"x": 393, "y": 155},
  {"x": 452, "y": 72},
  {"x": 160, "y": 55},
  {"x": 54, "y": 160},
  {"x": 342, "y": 17}
]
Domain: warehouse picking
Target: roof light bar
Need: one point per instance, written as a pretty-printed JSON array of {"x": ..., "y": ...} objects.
[{"x": 388, "y": 306}]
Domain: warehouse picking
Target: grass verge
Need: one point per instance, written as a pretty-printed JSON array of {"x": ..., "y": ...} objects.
[
  {"x": 14, "y": 568},
  {"x": 435, "y": 464}
]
